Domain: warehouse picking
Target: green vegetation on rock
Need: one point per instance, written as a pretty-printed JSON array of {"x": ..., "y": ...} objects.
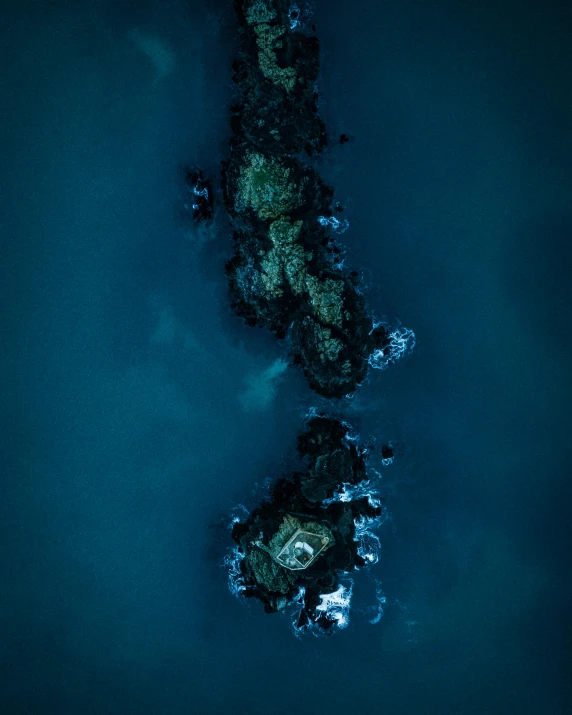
[
  {"x": 264, "y": 185},
  {"x": 286, "y": 265},
  {"x": 260, "y": 11},
  {"x": 286, "y": 274},
  {"x": 269, "y": 573},
  {"x": 326, "y": 298},
  {"x": 285, "y": 262},
  {"x": 268, "y": 40},
  {"x": 320, "y": 338}
]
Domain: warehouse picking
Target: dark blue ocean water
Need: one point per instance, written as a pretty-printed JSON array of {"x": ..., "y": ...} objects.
[{"x": 137, "y": 412}]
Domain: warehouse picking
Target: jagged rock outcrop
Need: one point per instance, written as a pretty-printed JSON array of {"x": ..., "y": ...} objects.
[{"x": 286, "y": 273}]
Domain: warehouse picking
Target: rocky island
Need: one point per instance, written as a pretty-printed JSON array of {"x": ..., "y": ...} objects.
[
  {"x": 296, "y": 550},
  {"x": 286, "y": 273},
  {"x": 297, "y": 546}
]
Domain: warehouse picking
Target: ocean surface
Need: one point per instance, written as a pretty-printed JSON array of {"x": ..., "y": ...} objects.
[{"x": 138, "y": 412}]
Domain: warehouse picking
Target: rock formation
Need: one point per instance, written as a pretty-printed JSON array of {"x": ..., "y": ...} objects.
[
  {"x": 286, "y": 273},
  {"x": 199, "y": 203},
  {"x": 296, "y": 545}
]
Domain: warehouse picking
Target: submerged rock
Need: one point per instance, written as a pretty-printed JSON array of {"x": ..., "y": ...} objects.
[
  {"x": 286, "y": 273},
  {"x": 199, "y": 196},
  {"x": 297, "y": 545}
]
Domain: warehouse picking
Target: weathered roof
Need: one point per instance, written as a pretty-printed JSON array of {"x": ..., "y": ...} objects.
[{"x": 302, "y": 549}]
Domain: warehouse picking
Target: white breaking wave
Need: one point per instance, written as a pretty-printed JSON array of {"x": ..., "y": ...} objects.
[
  {"x": 336, "y": 605},
  {"x": 294, "y": 15},
  {"x": 401, "y": 341},
  {"x": 347, "y": 492},
  {"x": 369, "y": 545},
  {"x": 232, "y": 562},
  {"x": 300, "y": 601},
  {"x": 350, "y": 437},
  {"x": 311, "y": 413},
  {"x": 239, "y": 513},
  {"x": 334, "y": 223},
  {"x": 381, "y": 600}
]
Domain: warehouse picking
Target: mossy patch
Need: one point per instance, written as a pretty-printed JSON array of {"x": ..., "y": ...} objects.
[
  {"x": 268, "y": 573},
  {"x": 260, "y": 11},
  {"x": 326, "y": 298},
  {"x": 268, "y": 40},
  {"x": 321, "y": 341},
  {"x": 286, "y": 265},
  {"x": 285, "y": 262},
  {"x": 264, "y": 185}
]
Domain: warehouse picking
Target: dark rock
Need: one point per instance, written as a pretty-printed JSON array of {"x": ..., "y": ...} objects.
[
  {"x": 387, "y": 452},
  {"x": 329, "y": 471},
  {"x": 200, "y": 197}
]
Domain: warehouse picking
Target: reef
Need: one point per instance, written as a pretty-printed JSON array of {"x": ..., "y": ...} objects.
[
  {"x": 199, "y": 199},
  {"x": 287, "y": 272},
  {"x": 297, "y": 547}
]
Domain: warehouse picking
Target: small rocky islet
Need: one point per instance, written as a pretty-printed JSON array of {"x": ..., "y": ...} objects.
[{"x": 297, "y": 545}]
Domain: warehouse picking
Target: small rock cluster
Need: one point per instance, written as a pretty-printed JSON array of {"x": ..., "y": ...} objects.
[{"x": 199, "y": 199}]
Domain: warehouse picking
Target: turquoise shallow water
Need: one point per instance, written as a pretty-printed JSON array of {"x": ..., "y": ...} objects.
[{"x": 138, "y": 412}]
